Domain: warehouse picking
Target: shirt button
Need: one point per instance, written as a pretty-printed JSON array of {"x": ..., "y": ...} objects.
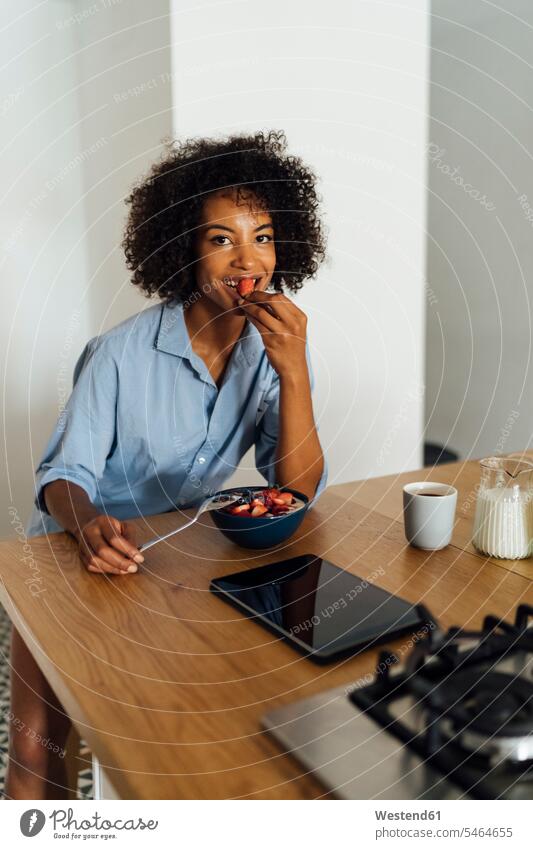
[{"x": 201, "y": 460}]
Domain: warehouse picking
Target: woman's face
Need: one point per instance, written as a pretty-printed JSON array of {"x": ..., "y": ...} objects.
[{"x": 235, "y": 239}]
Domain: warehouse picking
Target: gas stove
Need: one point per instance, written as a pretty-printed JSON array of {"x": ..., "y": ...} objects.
[{"x": 455, "y": 720}]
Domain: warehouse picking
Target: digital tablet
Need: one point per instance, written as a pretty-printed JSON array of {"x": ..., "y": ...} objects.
[{"x": 321, "y": 609}]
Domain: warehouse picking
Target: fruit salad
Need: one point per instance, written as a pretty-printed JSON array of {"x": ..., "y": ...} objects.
[{"x": 264, "y": 502}]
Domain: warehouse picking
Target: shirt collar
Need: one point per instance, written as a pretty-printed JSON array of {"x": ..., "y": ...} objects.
[{"x": 173, "y": 337}]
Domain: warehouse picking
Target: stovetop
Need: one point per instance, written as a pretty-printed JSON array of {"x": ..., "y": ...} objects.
[{"x": 456, "y": 719}]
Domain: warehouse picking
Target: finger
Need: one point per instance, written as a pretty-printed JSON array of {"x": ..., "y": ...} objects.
[
  {"x": 278, "y": 302},
  {"x": 274, "y": 297},
  {"x": 95, "y": 551},
  {"x": 99, "y": 563},
  {"x": 99, "y": 571},
  {"x": 113, "y": 535},
  {"x": 129, "y": 532},
  {"x": 262, "y": 315},
  {"x": 266, "y": 332},
  {"x": 105, "y": 570},
  {"x": 95, "y": 564},
  {"x": 86, "y": 552},
  {"x": 268, "y": 306},
  {"x": 112, "y": 557},
  {"x": 262, "y": 328}
]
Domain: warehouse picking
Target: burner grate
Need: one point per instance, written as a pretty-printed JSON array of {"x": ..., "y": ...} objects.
[{"x": 477, "y": 726}]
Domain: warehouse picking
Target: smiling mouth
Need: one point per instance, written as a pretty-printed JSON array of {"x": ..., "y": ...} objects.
[{"x": 233, "y": 282}]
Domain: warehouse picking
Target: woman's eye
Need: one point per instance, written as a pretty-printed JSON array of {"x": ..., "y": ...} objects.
[{"x": 225, "y": 240}]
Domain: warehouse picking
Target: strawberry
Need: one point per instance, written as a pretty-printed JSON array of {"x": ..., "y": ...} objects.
[
  {"x": 245, "y": 286},
  {"x": 285, "y": 498},
  {"x": 240, "y": 509},
  {"x": 259, "y": 510},
  {"x": 271, "y": 493}
]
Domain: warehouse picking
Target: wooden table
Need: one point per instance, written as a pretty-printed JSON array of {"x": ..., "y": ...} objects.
[{"x": 168, "y": 684}]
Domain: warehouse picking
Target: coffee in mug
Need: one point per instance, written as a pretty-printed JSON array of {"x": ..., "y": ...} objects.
[{"x": 429, "y": 513}]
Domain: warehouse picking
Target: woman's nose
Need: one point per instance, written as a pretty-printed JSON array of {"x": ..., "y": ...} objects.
[{"x": 245, "y": 255}]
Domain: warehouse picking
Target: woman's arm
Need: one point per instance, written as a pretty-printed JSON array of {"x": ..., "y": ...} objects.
[
  {"x": 283, "y": 327},
  {"x": 106, "y": 544},
  {"x": 77, "y": 451},
  {"x": 299, "y": 458},
  {"x": 69, "y": 505}
]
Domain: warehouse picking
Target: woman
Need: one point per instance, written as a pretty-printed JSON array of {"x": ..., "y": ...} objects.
[{"x": 165, "y": 404}]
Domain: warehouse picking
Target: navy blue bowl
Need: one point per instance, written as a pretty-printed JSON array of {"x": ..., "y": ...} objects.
[{"x": 259, "y": 532}]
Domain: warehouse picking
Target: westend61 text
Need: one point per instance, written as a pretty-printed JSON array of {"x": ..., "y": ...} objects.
[{"x": 407, "y": 815}]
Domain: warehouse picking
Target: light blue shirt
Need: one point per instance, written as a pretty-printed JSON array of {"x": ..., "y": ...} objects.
[{"x": 146, "y": 429}]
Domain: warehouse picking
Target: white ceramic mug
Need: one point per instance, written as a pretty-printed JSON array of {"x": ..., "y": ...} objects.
[{"x": 429, "y": 513}]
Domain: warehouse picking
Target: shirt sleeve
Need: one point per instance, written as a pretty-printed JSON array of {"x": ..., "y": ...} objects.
[
  {"x": 86, "y": 429},
  {"x": 267, "y": 430}
]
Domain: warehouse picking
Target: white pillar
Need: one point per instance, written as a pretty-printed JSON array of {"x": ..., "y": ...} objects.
[{"x": 348, "y": 82}]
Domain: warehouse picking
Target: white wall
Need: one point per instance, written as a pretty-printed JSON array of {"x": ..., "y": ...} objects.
[
  {"x": 42, "y": 262},
  {"x": 348, "y": 83},
  {"x": 124, "y": 61},
  {"x": 480, "y": 255},
  {"x": 88, "y": 101},
  {"x": 71, "y": 152}
]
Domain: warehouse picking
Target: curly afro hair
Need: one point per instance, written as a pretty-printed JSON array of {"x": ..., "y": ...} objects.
[{"x": 166, "y": 206}]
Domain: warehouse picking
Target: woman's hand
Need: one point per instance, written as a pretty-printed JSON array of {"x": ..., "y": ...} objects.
[
  {"x": 107, "y": 546},
  {"x": 283, "y": 328}
]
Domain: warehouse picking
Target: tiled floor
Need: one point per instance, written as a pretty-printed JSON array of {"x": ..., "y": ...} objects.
[
  {"x": 85, "y": 780},
  {"x": 5, "y": 633}
]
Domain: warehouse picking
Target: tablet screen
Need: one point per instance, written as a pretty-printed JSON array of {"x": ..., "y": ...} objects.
[{"x": 317, "y": 605}]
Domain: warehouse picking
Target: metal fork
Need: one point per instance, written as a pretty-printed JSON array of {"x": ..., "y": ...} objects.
[{"x": 215, "y": 502}]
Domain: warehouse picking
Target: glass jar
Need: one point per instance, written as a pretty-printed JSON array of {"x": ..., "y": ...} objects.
[{"x": 503, "y": 524}]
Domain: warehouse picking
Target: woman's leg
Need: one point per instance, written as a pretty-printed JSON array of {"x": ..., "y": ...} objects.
[{"x": 37, "y": 726}]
